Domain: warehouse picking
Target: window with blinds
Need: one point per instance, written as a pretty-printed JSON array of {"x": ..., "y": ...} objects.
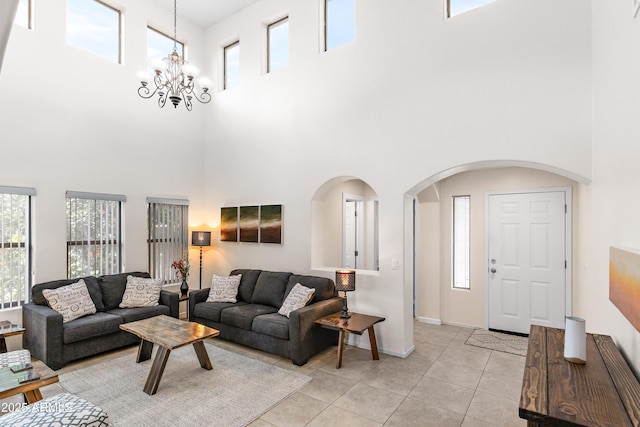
[
  {"x": 94, "y": 234},
  {"x": 15, "y": 245},
  {"x": 168, "y": 236}
]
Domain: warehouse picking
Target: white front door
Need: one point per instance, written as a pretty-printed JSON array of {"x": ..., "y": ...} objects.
[{"x": 527, "y": 260}]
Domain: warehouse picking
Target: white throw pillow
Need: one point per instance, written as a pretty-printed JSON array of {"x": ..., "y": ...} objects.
[
  {"x": 224, "y": 288},
  {"x": 141, "y": 292},
  {"x": 72, "y": 301},
  {"x": 297, "y": 298}
]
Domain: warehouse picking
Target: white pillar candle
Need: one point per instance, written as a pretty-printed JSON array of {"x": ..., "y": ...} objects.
[{"x": 575, "y": 340}]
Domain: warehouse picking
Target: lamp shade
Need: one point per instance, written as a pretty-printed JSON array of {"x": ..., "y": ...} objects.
[
  {"x": 346, "y": 280},
  {"x": 201, "y": 238}
]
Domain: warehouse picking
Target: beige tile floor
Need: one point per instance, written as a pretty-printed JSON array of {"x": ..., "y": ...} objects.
[{"x": 442, "y": 383}]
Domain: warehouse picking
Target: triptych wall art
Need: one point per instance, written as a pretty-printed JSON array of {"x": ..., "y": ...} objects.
[{"x": 257, "y": 224}]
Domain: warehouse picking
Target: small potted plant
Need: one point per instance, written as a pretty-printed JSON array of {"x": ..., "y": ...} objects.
[{"x": 181, "y": 266}]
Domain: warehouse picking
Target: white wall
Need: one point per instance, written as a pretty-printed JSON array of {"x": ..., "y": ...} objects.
[
  {"x": 613, "y": 202},
  {"x": 70, "y": 120},
  {"x": 414, "y": 95}
]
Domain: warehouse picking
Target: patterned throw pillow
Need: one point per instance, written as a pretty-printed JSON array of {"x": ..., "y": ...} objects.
[
  {"x": 141, "y": 292},
  {"x": 224, "y": 288},
  {"x": 72, "y": 301},
  {"x": 297, "y": 298}
]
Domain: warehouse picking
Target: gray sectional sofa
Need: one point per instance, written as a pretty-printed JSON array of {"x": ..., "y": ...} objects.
[
  {"x": 57, "y": 343},
  {"x": 254, "y": 320}
]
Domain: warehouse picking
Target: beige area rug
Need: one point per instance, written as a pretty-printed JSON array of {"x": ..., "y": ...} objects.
[
  {"x": 507, "y": 343},
  {"x": 235, "y": 392}
]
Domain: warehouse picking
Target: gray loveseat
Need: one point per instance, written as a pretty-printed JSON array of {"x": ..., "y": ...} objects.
[
  {"x": 254, "y": 320},
  {"x": 57, "y": 343}
]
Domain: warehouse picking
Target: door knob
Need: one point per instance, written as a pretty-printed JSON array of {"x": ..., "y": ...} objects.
[{"x": 493, "y": 270}]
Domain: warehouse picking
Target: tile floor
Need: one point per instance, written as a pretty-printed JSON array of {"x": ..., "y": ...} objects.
[{"x": 442, "y": 383}]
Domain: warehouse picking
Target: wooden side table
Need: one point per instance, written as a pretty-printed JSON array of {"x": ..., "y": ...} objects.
[
  {"x": 8, "y": 329},
  {"x": 356, "y": 324}
]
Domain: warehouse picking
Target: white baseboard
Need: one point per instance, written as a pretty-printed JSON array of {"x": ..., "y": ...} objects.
[{"x": 429, "y": 320}]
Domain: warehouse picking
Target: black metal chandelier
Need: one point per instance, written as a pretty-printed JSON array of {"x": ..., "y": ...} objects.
[{"x": 174, "y": 78}]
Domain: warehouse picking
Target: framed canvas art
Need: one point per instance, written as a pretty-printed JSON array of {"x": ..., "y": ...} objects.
[
  {"x": 271, "y": 224},
  {"x": 249, "y": 222},
  {"x": 229, "y": 224},
  {"x": 624, "y": 283}
]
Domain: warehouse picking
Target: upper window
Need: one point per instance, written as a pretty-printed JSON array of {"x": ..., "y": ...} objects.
[
  {"x": 168, "y": 236},
  {"x": 23, "y": 15},
  {"x": 459, "y": 6},
  {"x": 159, "y": 46},
  {"x": 340, "y": 22},
  {"x": 232, "y": 65},
  {"x": 461, "y": 242},
  {"x": 15, "y": 245},
  {"x": 95, "y": 27},
  {"x": 278, "y": 44},
  {"x": 94, "y": 234}
]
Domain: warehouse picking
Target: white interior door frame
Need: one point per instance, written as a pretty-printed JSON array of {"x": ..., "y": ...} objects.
[{"x": 568, "y": 243}]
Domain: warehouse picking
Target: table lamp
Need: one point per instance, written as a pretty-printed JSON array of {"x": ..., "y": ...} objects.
[
  {"x": 345, "y": 282},
  {"x": 201, "y": 238}
]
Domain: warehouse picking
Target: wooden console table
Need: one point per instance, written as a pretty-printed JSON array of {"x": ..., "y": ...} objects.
[{"x": 602, "y": 392}]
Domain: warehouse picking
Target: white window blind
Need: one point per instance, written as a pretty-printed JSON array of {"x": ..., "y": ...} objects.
[
  {"x": 15, "y": 245},
  {"x": 168, "y": 235},
  {"x": 94, "y": 234}
]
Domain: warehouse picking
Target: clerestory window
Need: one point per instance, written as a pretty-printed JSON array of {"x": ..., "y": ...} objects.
[{"x": 94, "y": 27}]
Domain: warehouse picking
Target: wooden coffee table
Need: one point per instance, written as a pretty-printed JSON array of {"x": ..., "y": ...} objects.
[
  {"x": 8, "y": 329},
  {"x": 169, "y": 333},
  {"x": 10, "y": 386},
  {"x": 356, "y": 324}
]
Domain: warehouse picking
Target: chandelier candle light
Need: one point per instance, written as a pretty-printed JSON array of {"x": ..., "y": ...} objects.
[{"x": 174, "y": 78}]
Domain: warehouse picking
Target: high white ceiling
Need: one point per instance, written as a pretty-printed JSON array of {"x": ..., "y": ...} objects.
[{"x": 206, "y": 12}]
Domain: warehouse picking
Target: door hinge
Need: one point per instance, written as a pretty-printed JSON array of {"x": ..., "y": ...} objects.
[
  {"x": 565, "y": 208},
  {"x": 565, "y": 264},
  {"x": 356, "y": 253}
]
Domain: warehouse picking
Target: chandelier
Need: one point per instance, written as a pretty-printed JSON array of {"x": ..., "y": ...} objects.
[{"x": 173, "y": 78}]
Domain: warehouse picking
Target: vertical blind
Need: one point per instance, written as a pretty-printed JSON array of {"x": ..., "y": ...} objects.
[
  {"x": 168, "y": 236},
  {"x": 15, "y": 245},
  {"x": 94, "y": 234}
]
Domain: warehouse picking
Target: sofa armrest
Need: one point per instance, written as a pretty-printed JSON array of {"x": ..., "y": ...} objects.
[
  {"x": 304, "y": 335},
  {"x": 195, "y": 297},
  {"x": 43, "y": 335},
  {"x": 172, "y": 300}
]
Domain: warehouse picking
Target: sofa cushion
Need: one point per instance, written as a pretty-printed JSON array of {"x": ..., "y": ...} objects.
[
  {"x": 113, "y": 286},
  {"x": 72, "y": 301},
  {"x": 270, "y": 288},
  {"x": 247, "y": 283},
  {"x": 224, "y": 288},
  {"x": 92, "y": 285},
  {"x": 213, "y": 310},
  {"x": 242, "y": 316},
  {"x": 141, "y": 292},
  {"x": 272, "y": 324},
  {"x": 296, "y": 299},
  {"x": 325, "y": 288},
  {"x": 139, "y": 313},
  {"x": 90, "y": 326}
]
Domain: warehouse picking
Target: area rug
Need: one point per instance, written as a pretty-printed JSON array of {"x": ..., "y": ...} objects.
[
  {"x": 235, "y": 392},
  {"x": 507, "y": 343}
]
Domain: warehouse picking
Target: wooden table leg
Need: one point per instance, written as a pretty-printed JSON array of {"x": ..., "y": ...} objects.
[
  {"x": 3, "y": 345},
  {"x": 203, "y": 357},
  {"x": 33, "y": 395},
  {"x": 340, "y": 348},
  {"x": 144, "y": 351},
  {"x": 157, "y": 369},
  {"x": 374, "y": 344}
]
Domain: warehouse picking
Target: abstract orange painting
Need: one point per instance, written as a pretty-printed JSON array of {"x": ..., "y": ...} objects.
[{"x": 624, "y": 283}]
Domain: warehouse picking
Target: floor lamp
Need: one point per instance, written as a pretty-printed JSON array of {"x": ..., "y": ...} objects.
[{"x": 200, "y": 238}]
